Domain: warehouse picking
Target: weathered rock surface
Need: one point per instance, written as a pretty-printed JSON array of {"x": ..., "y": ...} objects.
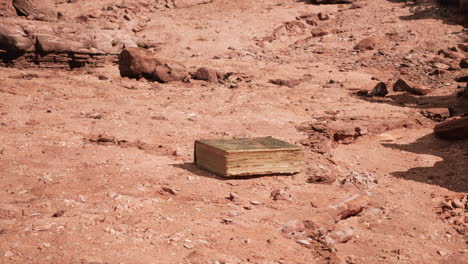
[
  {"x": 139, "y": 63},
  {"x": 410, "y": 87},
  {"x": 37, "y": 9},
  {"x": 62, "y": 45},
  {"x": 6, "y": 8},
  {"x": 379, "y": 90},
  {"x": 207, "y": 74},
  {"x": 13, "y": 39},
  {"x": 369, "y": 43},
  {"x": 453, "y": 129}
]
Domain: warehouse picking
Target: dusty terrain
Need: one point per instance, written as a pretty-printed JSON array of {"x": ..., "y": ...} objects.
[{"x": 85, "y": 153}]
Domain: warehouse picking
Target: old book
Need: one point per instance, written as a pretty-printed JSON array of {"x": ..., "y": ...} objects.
[{"x": 248, "y": 156}]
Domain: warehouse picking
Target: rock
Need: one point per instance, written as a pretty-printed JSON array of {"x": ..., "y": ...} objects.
[
  {"x": 369, "y": 43},
  {"x": 8, "y": 254},
  {"x": 379, "y": 90},
  {"x": 233, "y": 197},
  {"x": 6, "y": 8},
  {"x": 139, "y": 63},
  {"x": 436, "y": 114},
  {"x": 59, "y": 213},
  {"x": 322, "y": 179},
  {"x": 206, "y": 74},
  {"x": 464, "y": 63},
  {"x": 287, "y": 83},
  {"x": 279, "y": 194},
  {"x": 451, "y": 54},
  {"x": 317, "y": 32},
  {"x": 322, "y": 16},
  {"x": 339, "y": 236},
  {"x": 37, "y": 9},
  {"x": 169, "y": 190},
  {"x": 14, "y": 39},
  {"x": 349, "y": 207},
  {"x": 453, "y": 129},
  {"x": 410, "y": 87}
]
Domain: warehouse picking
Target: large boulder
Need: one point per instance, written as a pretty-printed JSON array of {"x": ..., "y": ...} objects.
[
  {"x": 14, "y": 39},
  {"x": 139, "y": 63},
  {"x": 453, "y": 129},
  {"x": 6, "y": 8},
  {"x": 37, "y": 9}
]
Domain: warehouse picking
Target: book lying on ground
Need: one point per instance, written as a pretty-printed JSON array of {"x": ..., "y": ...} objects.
[{"x": 248, "y": 156}]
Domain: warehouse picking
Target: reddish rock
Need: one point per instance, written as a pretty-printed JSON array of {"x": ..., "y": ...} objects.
[
  {"x": 38, "y": 9},
  {"x": 379, "y": 90},
  {"x": 436, "y": 114},
  {"x": 207, "y": 74},
  {"x": 339, "y": 236},
  {"x": 139, "y": 63},
  {"x": 349, "y": 207},
  {"x": 453, "y": 129},
  {"x": 410, "y": 87},
  {"x": 6, "y": 8},
  {"x": 14, "y": 39},
  {"x": 317, "y": 32},
  {"x": 369, "y": 43},
  {"x": 451, "y": 54}
]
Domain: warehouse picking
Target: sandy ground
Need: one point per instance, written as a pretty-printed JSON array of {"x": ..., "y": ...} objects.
[{"x": 66, "y": 199}]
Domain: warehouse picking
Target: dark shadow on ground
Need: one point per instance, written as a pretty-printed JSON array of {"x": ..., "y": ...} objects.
[
  {"x": 193, "y": 169},
  {"x": 458, "y": 106},
  {"x": 450, "y": 173},
  {"x": 444, "y": 10}
]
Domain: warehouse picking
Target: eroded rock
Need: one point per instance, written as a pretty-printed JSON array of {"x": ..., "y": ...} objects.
[
  {"x": 138, "y": 63},
  {"x": 453, "y": 129},
  {"x": 410, "y": 87}
]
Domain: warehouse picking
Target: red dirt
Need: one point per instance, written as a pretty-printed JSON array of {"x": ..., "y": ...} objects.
[{"x": 99, "y": 169}]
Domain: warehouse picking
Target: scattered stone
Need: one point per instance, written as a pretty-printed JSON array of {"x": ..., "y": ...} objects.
[
  {"x": 379, "y": 90},
  {"x": 451, "y": 54},
  {"x": 206, "y": 74},
  {"x": 59, "y": 213},
  {"x": 442, "y": 253},
  {"x": 303, "y": 242},
  {"x": 278, "y": 194},
  {"x": 369, "y": 43},
  {"x": 226, "y": 221},
  {"x": 8, "y": 254},
  {"x": 82, "y": 198},
  {"x": 322, "y": 179},
  {"x": 436, "y": 114},
  {"x": 103, "y": 78},
  {"x": 139, "y": 63},
  {"x": 287, "y": 83},
  {"x": 37, "y": 9},
  {"x": 255, "y": 203},
  {"x": 339, "y": 236},
  {"x": 349, "y": 207},
  {"x": 410, "y": 87},
  {"x": 233, "y": 197},
  {"x": 453, "y": 129},
  {"x": 323, "y": 16},
  {"x": 317, "y": 32},
  {"x": 169, "y": 190},
  {"x": 362, "y": 178}
]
